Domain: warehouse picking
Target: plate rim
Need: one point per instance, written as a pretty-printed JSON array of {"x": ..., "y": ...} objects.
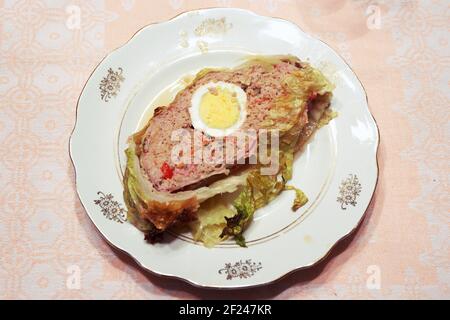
[{"x": 237, "y": 286}]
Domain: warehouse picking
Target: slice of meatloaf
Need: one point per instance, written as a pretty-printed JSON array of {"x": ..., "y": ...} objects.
[{"x": 262, "y": 83}]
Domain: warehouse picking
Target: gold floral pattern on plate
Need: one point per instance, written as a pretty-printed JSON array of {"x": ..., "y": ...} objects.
[
  {"x": 241, "y": 269},
  {"x": 110, "y": 84},
  {"x": 110, "y": 208},
  {"x": 349, "y": 191}
]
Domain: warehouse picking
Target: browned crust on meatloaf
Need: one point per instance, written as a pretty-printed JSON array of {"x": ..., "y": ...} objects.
[{"x": 165, "y": 214}]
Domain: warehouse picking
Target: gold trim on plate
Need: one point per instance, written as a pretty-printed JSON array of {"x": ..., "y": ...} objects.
[
  {"x": 110, "y": 84},
  {"x": 241, "y": 269},
  {"x": 110, "y": 208},
  {"x": 349, "y": 191}
]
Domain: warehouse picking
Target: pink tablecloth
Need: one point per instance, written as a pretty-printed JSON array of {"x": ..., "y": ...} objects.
[{"x": 400, "y": 51}]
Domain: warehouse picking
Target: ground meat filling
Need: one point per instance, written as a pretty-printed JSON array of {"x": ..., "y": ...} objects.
[{"x": 261, "y": 84}]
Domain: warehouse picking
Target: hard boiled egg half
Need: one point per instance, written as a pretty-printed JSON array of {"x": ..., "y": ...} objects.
[{"x": 218, "y": 108}]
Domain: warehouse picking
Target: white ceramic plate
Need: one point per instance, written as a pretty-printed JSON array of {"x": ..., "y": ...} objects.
[{"x": 338, "y": 169}]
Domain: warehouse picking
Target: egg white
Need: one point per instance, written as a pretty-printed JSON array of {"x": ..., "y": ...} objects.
[{"x": 196, "y": 99}]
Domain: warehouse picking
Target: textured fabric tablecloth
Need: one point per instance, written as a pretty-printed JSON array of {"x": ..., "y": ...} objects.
[{"x": 50, "y": 249}]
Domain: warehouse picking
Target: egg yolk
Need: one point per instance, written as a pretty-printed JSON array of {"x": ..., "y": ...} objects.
[{"x": 219, "y": 108}]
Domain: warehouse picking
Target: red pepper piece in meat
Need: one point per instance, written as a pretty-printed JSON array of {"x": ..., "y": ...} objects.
[{"x": 167, "y": 171}]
